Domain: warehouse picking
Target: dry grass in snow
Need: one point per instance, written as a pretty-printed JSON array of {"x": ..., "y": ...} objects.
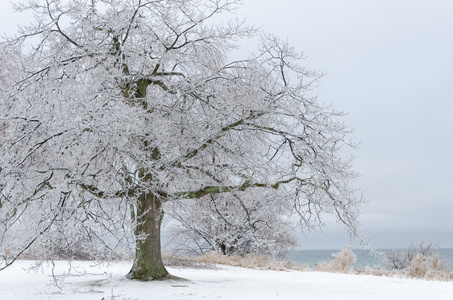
[
  {"x": 430, "y": 267},
  {"x": 250, "y": 261}
]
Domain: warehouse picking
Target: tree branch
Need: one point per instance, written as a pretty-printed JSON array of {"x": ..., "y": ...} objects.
[
  {"x": 212, "y": 189},
  {"x": 218, "y": 135}
]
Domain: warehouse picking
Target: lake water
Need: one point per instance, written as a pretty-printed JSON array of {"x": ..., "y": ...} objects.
[{"x": 364, "y": 257}]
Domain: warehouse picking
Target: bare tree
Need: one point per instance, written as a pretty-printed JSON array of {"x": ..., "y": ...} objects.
[{"x": 116, "y": 107}]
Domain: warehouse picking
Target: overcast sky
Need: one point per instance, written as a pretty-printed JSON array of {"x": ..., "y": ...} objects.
[{"x": 389, "y": 64}]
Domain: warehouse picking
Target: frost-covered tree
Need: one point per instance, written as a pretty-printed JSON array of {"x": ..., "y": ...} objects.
[
  {"x": 113, "y": 107},
  {"x": 233, "y": 223}
]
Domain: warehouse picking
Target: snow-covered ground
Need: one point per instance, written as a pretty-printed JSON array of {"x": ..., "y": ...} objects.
[{"x": 109, "y": 283}]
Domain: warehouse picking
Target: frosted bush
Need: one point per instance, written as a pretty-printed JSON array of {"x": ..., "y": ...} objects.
[
  {"x": 401, "y": 259},
  {"x": 429, "y": 267},
  {"x": 420, "y": 261},
  {"x": 342, "y": 263}
]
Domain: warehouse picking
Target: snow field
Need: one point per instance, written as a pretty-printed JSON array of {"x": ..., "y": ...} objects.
[{"x": 108, "y": 283}]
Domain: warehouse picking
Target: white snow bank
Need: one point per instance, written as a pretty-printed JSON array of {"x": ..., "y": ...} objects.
[{"x": 108, "y": 282}]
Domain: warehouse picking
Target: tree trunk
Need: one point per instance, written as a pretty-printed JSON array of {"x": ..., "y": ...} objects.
[{"x": 148, "y": 263}]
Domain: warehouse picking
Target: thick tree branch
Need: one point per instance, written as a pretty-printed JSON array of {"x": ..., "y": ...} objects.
[{"x": 212, "y": 189}]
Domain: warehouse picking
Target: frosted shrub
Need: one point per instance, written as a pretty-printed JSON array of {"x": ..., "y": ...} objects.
[
  {"x": 401, "y": 259},
  {"x": 429, "y": 267},
  {"x": 344, "y": 259},
  {"x": 342, "y": 263},
  {"x": 420, "y": 261}
]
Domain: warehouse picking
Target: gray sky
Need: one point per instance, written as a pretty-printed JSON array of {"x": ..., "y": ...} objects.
[{"x": 389, "y": 64}]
